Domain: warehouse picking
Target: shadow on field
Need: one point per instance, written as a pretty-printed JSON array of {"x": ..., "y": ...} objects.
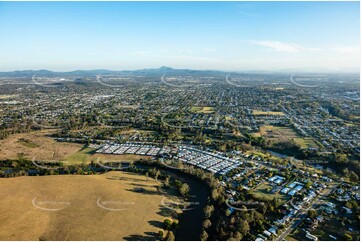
[
  {"x": 141, "y": 185},
  {"x": 156, "y": 224},
  {"x": 144, "y": 191},
  {"x": 166, "y": 212},
  {"x": 150, "y": 236},
  {"x": 126, "y": 179}
]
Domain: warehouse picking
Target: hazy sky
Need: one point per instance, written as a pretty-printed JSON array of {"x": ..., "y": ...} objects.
[{"x": 200, "y": 35}]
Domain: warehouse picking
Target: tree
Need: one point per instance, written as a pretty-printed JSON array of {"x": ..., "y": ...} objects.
[
  {"x": 311, "y": 213},
  {"x": 243, "y": 227},
  {"x": 174, "y": 225},
  {"x": 208, "y": 210},
  {"x": 167, "y": 224},
  {"x": 204, "y": 236},
  {"x": 80, "y": 171},
  {"x": 215, "y": 194},
  {"x": 184, "y": 189},
  {"x": 166, "y": 182},
  {"x": 206, "y": 224},
  {"x": 308, "y": 184},
  {"x": 160, "y": 234},
  {"x": 353, "y": 176},
  {"x": 170, "y": 236},
  {"x": 348, "y": 237},
  {"x": 341, "y": 158},
  {"x": 156, "y": 175},
  {"x": 237, "y": 236}
]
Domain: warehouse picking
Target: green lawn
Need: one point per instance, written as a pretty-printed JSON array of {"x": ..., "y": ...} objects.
[
  {"x": 82, "y": 156},
  {"x": 305, "y": 143},
  {"x": 262, "y": 192}
]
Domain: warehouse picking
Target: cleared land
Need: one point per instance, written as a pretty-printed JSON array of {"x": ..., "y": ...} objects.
[
  {"x": 259, "y": 112},
  {"x": 197, "y": 109},
  {"x": 7, "y": 96},
  {"x": 36, "y": 144},
  {"x": 276, "y": 134},
  {"x": 79, "y": 216},
  {"x": 305, "y": 143},
  {"x": 128, "y": 106},
  {"x": 284, "y": 134}
]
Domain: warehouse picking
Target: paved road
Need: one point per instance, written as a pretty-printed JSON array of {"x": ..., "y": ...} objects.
[
  {"x": 295, "y": 223},
  {"x": 303, "y": 214}
]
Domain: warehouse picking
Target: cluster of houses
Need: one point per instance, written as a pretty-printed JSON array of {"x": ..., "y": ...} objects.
[
  {"x": 291, "y": 189},
  {"x": 254, "y": 122},
  {"x": 345, "y": 194},
  {"x": 220, "y": 163},
  {"x": 331, "y": 132},
  {"x": 267, "y": 233},
  {"x": 313, "y": 223},
  {"x": 213, "y": 162},
  {"x": 134, "y": 149}
]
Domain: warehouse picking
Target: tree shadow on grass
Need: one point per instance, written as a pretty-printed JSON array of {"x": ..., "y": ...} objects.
[
  {"x": 144, "y": 191},
  {"x": 126, "y": 179},
  {"x": 150, "y": 236},
  {"x": 156, "y": 224},
  {"x": 141, "y": 185},
  {"x": 166, "y": 212}
]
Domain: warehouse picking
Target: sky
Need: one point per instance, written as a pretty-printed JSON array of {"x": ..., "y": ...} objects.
[{"x": 237, "y": 36}]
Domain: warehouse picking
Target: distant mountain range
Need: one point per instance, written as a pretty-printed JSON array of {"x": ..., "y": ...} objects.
[
  {"x": 149, "y": 72},
  {"x": 158, "y": 71}
]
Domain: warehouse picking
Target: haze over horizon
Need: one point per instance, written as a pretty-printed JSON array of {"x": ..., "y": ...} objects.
[
  {"x": 285, "y": 71},
  {"x": 227, "y": 36}
]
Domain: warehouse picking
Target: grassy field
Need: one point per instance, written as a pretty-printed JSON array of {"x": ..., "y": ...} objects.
[
  {"x": 262, "y": 193},
  {"x": 284, "y": 134},
  {"x": 86, "y": 155},
  {"x": 36, "y": 144},
  {"x": 7, "y": 96},
  {"x": 265, "y": 156},
  {"x": 84, "y": 207},
  {"x": 276, "y": 134},
  {"x": 197, "y": 109},
  {"x": 128, "y": 106},
  {"x": 305, "y": 143},
  {"x": 81, "y": 156},
  {"x": 259, "y": 112},
  {"x": 28, "y": 143}
]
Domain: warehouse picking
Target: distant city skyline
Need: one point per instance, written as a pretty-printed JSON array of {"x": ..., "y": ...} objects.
[{"x": 229, "y": 36}]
